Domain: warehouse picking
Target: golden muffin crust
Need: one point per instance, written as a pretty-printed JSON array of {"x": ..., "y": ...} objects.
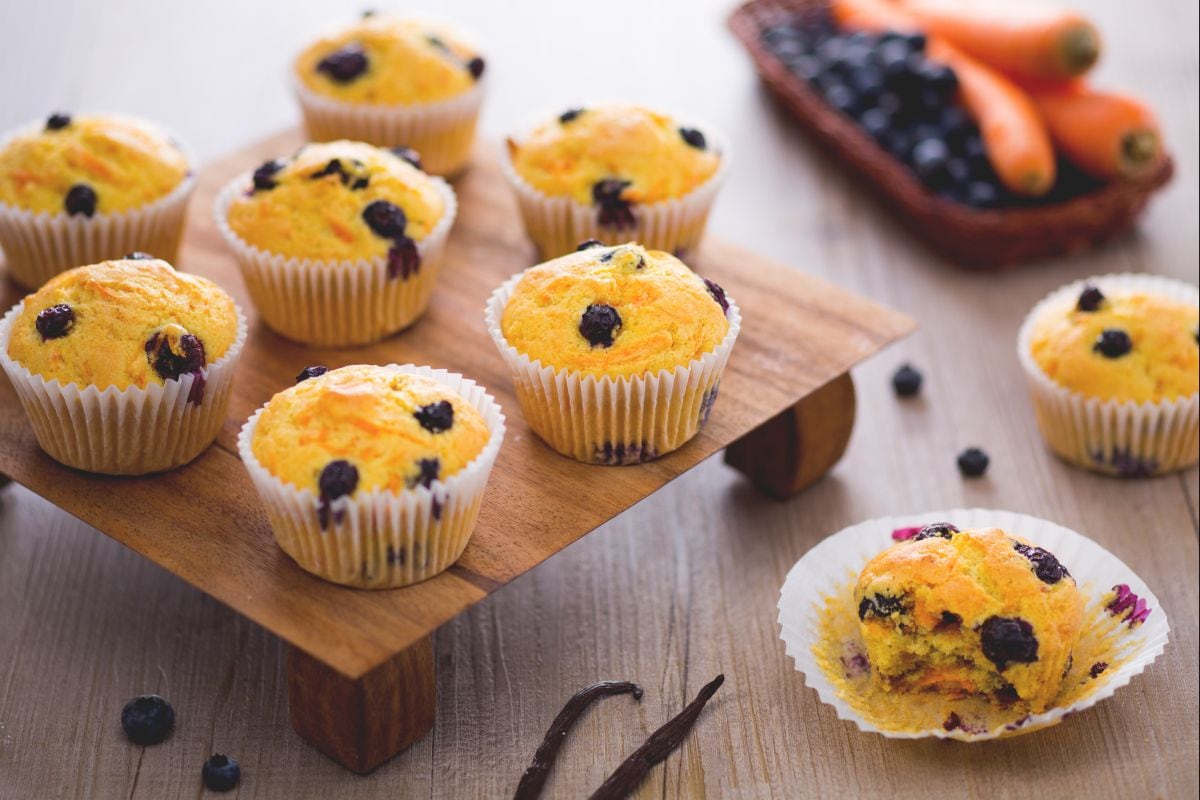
[
  {"x": 613, "y": 154},
  {"x": 123, "y": 323},
  {"x": 1123, "y": 346},
  {"x": 389, "y": 430},
  {"x": 315, "y": 204},
  {"x": 389, "y": 60},
  {"x": 120, "y": 163},
  {"x": 614, "y": 311},
  {"x": 969, "y": 612}
]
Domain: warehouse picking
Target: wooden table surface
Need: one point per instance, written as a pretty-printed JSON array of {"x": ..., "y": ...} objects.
[{"x": 682, "y": 586}]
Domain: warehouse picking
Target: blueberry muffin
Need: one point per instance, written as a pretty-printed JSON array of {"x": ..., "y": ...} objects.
[
  {"x": 345, "y": 446},
  {"x": 617, "y": 352},
  {"x": 975, "y": 612},
  {"x": 124, "y": 366},
  {"x": 341, "y": 243},
  {"x": 394, "y": 82},
  {"x": 615, "y": 173},
  {"x": 79, "y": 189}
]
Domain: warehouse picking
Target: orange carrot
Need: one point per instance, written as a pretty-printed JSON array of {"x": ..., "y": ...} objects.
[
  {"x": 1026, "y": 41},
  {"x": 1105, "y": 134}
]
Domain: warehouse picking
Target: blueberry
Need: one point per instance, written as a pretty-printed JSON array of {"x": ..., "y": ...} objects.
[
  {"x": 694, "y": 138},
  {"x": 57, "y": 121},
  {"x": 1090, "y": 298},
  {"x": 264, "y": 176},
  {"x": 569, "y": 114},
  {"x": 881, "y": 605},
  {"x": 958, "y": 171},
  {"x": 407, "y": 154},
  {"x": 220, "y": 773},
  {"x": 867, "y": 81},
  {"x": 1097, "y": 669},
  {"x": 333, "y": 167},
  {"x": 831, "y": 51},
  {"x": 147, "y": 719},
  {"x": 805, "y": 67},
  {"x": 889, "y": 103},
  {"x": 973, "y": 462},
  {"x": 940, "y": 78},
  {"x": 898, "y": 143},
  {"x": 614, "y": 211},
  {"x": 949, "y": 621},
  {"x": 929, "y": 159},
  {"x": 956, "y": 125},
  {"x": 55, "y": 321},
  {"x": 344, "y": 64},
  {"x": 436, "y": 417},
  {"x": 717, "y": 293},
  {"x": 1113, "y": 343},
  {"x": 337, "y": 479},
  {"x": 942, "y": 530},
  {"x": 385, "y": 219},
  {"x": 170, "y": 364},
  {"x": 843, "y": 98},
  {"x": 876, "y": 123},
  {"x": 906, "y": 381},
  {"x": 138, "y": 255},
  {"x": 80, "y": 199},
  {"x": 599, "y": 324},
  {"x": 588, "y": 244},
  {"x": 892, "y": 58},
  {"x": 856, "y": 57},
  {"x": 476, "y": 66},
  {"x": 403, "y": 258},
  {"x": 427, "y": 473},
  {"x": 981, "y": 194},
  {"x": 1045, "y": 565},
  {"x": 361, "y": 183},
  {"x": 310, "y": 372},
  {"x": 1008, "y": 640},
  {"x": 915, "y": 41}
]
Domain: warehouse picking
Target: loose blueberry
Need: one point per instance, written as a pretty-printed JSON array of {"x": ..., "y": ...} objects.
[
  {"x": 881, "y": 605},
  {"x": 385, "y": 219},
  {"x": 138, "y": 255},
  {"x": 973, "y": 462},
  {"x": 588, "y": 244},
  {"x": 436, "y": 417},
  {"x": 170, "y": 364},
  {"x": 599, "y": 324},
  {"x": 1008, "y": 640},
  {"x": 56, "y": 121},
  {"x": 310, "y": 372},
  {"x": 147, "y": 719},
  {"x": 1045, "y": 565},
  {"x": 55, "y": 321},
  {"x": 1090, "y": 298},
  {"x": 614, "y": 210},
  {"x": 906, "y": 381},
  {"x": 475, "y": 66},
  {"x": 264, "y": 176},
  {"x": 718, "y": 294},
  {"x": 407, "y": 154},
  {"x": 427, "y": 472},
  {"x": 943, "y": 530},
  {"x": 220, "y": 773},
  {"x": 694, "y": 138},
  {"x": 344, "y": 64},
  {"x": 404, "y": 260},
  {"x": 80, "y": 199},
  {"x": 337, "y": 479},
  {"x": 569, "y": 115},
  {"x": 1113, "y": 343}
]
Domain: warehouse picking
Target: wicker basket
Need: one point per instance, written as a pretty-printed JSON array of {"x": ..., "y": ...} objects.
[{"x": 988, "y": 239}]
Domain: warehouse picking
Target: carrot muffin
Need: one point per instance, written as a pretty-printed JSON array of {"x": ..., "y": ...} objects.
[
  {"x": 394, "y": 81},
  {"x": 79, "y": 189},
  {"x": 341, "y": 243},
  {"x": 615, "y": 173}
]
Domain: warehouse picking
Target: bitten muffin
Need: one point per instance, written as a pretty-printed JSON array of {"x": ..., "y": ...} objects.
[
  {"x": 341, "y": 243},
  {"x": 347, "y": 444},
  {"x": 617, "y": 352},
  {"x": 97, "y": 186},
  {"x": 124, "y": 366},
  {"x": 394, "y": 81},
  {"x": 614, "y": 173},
  {"x": 975, "y": 612}
]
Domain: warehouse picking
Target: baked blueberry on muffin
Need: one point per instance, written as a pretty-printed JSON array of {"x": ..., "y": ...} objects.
[
  {"x": 1114, "y": 368},
  {"x": 973, "y": 612},
  {"x": 76, "y": 189},
  {"x": 615, "y": 173},
  {"x": 341, "y": 243},
  {"x": 394, "y": 81},
  {"x": 133, "y": 336},
  {"x": 617, "y": 352},
  {"x": 372, "y": 476}
]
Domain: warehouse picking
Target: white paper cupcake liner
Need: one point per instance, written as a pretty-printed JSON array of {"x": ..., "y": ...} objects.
[
  {"x": 335, "y": 303},
  {"x": 558, "y": 224},
  {"x": 606, "y": 420},
  {"x": 836, "y": 561},
  {"x": 131, "y": 431},
  {"x": 382, "y": 539},
  {"x": 1117, "y": 438},
  {"x": 441, "y": 132},
  {"x": 39, "y": 245}
]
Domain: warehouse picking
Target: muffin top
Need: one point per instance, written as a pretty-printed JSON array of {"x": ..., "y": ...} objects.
[
  {"x": 388, "y": 60},
  {"x": 364, "y": 428},
  {"x": 89, "y": 164},
  {"x": 614, "y": 153},
  {"x": 338, "y": 201},
  {"x": 129, "y": 322},
  {"x": 615, "y": 311},
  {"x": 1120, "y": 346}
]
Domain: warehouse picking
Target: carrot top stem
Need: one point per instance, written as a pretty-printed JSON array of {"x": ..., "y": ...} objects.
[
  {"x": 1080, "y": 49},
  {"x": 1139, "y": 147}
]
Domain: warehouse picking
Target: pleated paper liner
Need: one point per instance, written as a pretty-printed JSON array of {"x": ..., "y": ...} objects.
[
  {"x": 1127, "y": 439},
  {"x": 830, "y": 569},
  {"x": 381, "y": 539}
]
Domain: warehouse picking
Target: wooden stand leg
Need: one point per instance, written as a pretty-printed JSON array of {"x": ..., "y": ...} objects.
[
  {"x": 792, "y": 450},
  {"x": 362, "y": 723}
]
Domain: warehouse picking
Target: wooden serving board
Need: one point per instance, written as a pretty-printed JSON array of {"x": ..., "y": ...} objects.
[{"x": 361, "y": 659}]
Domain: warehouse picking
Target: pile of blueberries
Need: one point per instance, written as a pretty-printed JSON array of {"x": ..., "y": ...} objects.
[{"x": 904, "y": 101}]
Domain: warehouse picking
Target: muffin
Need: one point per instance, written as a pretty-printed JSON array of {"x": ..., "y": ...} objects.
[
  {"x": 124, "y": 367},
  {"x": 80, "y": 189},
  {"x": 615, "y": 173},
  {"x": 616, "y": 352},
  {"x": 373, "y": 476},
  {"x": 1113, "y": 365},
  {"x": 394, "y": 82},
  {"x": 973, "y": 612},
  {"x": 341, "y": 243}
]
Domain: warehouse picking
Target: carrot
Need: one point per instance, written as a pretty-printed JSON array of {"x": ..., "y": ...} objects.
[
  {"x": 1014, "y": 136},
  {"x": 1105, "y": 134},
  {"x": 1024, "y": 41}
]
